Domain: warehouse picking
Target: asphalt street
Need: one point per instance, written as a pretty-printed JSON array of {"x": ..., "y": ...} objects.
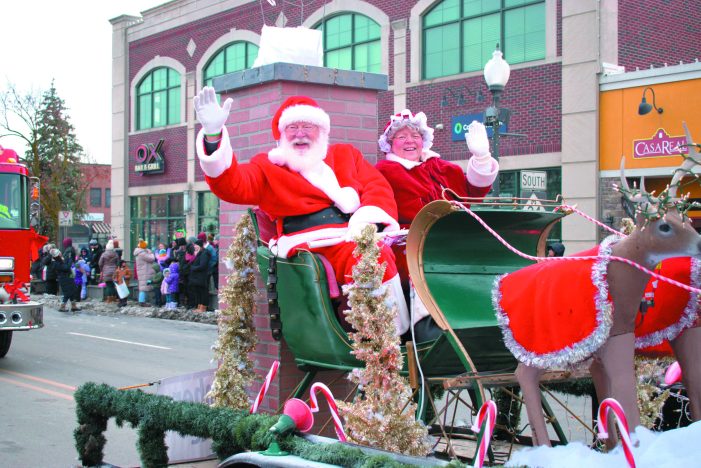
[{"x": 44, "y": 367}]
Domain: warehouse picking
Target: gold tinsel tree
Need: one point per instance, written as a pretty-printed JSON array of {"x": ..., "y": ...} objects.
[
  {"x": 237, "y": 335},
  {"x": 382, "y": 416}
]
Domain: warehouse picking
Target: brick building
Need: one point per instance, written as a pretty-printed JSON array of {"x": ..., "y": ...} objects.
[
  {"x": 98, "y": 199},
  {"x": 578, "y": 70}
]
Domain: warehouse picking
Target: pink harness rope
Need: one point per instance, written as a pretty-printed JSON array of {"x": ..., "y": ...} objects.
[{"x": 685, "y": 287}]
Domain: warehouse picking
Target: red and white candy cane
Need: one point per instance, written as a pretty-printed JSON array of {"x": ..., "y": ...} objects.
[
  {"x": 487, "y": 414},
  {"x": 611, "y": 404},
  {"x": 338, "y": 425},
  {"x": 264, "y": 389}
]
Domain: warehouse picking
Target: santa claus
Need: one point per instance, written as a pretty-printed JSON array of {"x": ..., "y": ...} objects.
[{"x": 310, "y": 189}]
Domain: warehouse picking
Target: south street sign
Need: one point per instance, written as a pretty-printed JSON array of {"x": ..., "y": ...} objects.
[{"x": 150, "y": 158}]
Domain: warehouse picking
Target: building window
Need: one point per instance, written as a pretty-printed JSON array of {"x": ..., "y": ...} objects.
[
  {"x": 460, "y": 35},
  {"x": 156, "y": 218},
  {"x": 351, "y": 42},
  {"x": 158, "y": 99},
  {"x": 230, "y": 58},
  {"x": 108, "y": 198},
  {"x": 207, "y": 213},
  {"x": 96, "y": 197}
]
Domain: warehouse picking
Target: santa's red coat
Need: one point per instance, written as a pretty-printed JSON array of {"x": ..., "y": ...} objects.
[
  {"x": 281, "y": 192},
  {"x": 422, "y": 184}
]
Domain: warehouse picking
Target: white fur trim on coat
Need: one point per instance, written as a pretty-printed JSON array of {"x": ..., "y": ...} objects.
[
  {"x": 401, "y": 320},
  {"x": 304, "y": 113},
  {"x": 322, "y": 177},
  {"x": 479, "y": 175},
  {"x": 216, "y": 163}
]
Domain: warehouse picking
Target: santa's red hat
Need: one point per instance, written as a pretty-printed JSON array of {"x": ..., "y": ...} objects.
[
  {"x": 299, "y": 109},
  {"x": 401, "y": 120}
]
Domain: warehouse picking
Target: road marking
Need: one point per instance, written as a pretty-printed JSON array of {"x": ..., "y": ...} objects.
[
  {"x": 118, "y": 341},
  {"x": 39, "y": 379},
  {"x": 38, "y": 389}
]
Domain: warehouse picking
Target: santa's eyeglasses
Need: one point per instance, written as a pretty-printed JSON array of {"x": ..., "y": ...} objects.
[{"x": 294, "y": 128}]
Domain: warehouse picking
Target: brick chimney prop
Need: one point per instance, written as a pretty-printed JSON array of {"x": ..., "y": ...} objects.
[{"x": 351, "y": 100}]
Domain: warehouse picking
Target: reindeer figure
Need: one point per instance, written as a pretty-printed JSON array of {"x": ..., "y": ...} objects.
[
  {"x": 560, "y": 313},
  {"x": 684, "y": 333}
]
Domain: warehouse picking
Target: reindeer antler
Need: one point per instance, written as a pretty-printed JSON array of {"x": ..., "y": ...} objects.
[
  {"x": 646, "y": 204},
  {"x": 690, "y": 160}
]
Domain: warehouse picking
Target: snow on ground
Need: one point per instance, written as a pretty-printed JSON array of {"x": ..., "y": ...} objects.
[{"x": 672, "y": 449}]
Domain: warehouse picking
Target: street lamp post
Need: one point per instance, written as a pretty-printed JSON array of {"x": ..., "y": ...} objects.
[{"x": 496, "y": 74}]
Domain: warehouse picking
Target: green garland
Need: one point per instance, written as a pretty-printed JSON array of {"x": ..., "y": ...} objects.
[{"x": 232, "y": 431}]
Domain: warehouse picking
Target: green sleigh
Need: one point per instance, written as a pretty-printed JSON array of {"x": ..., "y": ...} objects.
[{"x": 453, "y": 261}]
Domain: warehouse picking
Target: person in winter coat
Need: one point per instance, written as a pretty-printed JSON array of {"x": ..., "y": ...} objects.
[
  {"x": 156, "y": 282},
  {"x": 49, "y": 266},
  {"x": 96, "y": 251},
  {"x": 198, "y": 282},
  {"x": 64, "y": 275},
  {"x": 172, "y": 280},
  {"x": 109, "y": 261},
  {"x": 144, "y": 260},
  {"x": 164, "y": 287},
  {"x": 82, "y": 273},
  {"x": 185, "y": 256},
  {"x": 69, "y": 253},
  {"x": 122, "y": 275},
  {"x": 213, "y": 260}
]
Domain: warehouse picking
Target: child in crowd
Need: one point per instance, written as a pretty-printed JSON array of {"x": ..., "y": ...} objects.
[
  {"x": 82, "y": 273},
  {"x": 156, "y": 282},
  {"x": 122, "y": 275},
  {"x": 171, "y": 280}
]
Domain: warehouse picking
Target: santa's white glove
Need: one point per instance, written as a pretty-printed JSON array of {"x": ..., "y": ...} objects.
[
  {"x": 478, "y": 144},
  {"x": 210, "y": 114},
  {"x": 354, "y": 230}
]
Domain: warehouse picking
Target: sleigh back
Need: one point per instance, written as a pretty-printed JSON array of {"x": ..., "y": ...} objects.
[{"x": 453, "y": 261}]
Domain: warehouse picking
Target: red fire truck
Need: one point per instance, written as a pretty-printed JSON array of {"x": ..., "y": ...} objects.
[{"x": 19, "y": 245}]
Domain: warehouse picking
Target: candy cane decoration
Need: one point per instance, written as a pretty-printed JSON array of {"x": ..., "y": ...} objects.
[
  {"x": 609, "y": 404},
  {"x": 264, "y": 389},
  {"x": 488, "y": 414},
  {"x": 338, "y": 425}
]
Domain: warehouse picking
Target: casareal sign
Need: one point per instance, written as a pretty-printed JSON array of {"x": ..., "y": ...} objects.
[{"x": 660, "y": 144}]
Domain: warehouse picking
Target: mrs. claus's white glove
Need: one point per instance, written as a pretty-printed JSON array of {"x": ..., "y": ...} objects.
[
  {"x": 210, "y": 114},
  {"x": 478, "y": 144}
]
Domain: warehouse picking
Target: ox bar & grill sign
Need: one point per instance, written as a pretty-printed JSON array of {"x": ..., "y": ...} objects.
[{"x": 149, "y": 158}]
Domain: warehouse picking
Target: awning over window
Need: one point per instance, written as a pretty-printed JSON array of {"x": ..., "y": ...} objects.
[{"x": 100, "y": 228}]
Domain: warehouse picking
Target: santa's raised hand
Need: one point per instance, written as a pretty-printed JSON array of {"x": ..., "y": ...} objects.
[{"x": 209, "y": 113}]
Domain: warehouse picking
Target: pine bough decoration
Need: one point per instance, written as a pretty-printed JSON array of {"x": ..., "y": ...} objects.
[
  {"x": 232, "y": 431},
  {"x": 237, "y": 335},
  {"x": 382, "y": 416}
]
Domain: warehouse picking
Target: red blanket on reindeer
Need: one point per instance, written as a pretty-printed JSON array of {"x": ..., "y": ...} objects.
[{"x": 568, "y": 330}]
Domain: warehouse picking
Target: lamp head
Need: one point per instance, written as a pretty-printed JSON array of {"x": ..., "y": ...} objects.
[
  {"x": 497, "y": 71},
  {"x": 644, "y": 107}
]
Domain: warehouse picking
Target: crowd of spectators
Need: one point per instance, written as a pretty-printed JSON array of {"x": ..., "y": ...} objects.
[{"x": 180, "y": 274}]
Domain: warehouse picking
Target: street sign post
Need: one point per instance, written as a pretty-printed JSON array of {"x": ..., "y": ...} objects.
[{"x": 65, "y": 218}]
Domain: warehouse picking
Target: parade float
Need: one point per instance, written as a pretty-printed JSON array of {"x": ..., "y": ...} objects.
[{"x": 455, "y": 254}]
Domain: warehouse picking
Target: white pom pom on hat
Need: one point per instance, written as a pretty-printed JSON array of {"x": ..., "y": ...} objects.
[{"x": 401, "y": 120}]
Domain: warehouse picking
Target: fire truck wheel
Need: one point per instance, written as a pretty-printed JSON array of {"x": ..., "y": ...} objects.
[{"x": 5, "y": 341}]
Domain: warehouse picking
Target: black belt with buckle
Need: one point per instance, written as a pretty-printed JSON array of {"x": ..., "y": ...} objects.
[{"x": 330, "y": 215}]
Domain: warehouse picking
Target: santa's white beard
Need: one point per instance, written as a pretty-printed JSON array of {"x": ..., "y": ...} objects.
[{"x": 301, "y": 160}]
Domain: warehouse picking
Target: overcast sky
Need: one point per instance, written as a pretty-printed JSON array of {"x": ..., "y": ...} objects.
[{"x": 69, "y": 41}]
